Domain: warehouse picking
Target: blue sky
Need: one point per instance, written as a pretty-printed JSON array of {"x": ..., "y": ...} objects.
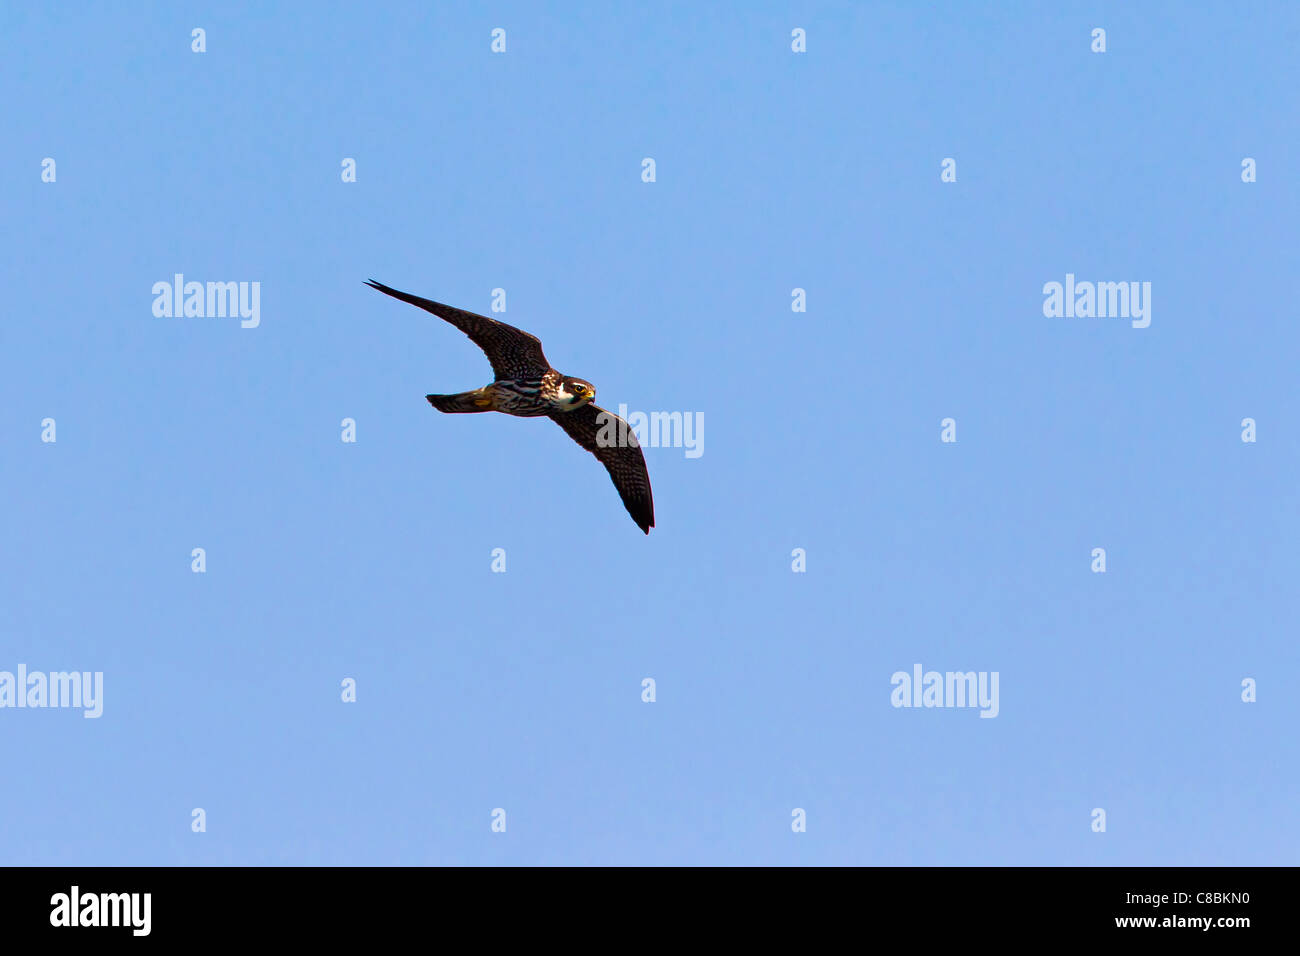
[{"x": 522, "y": 690}]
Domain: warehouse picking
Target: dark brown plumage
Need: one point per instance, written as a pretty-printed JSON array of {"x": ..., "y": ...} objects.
[
  {"x": 625, "y": 463},
  {"x": 514, "y": 353},
  {"x": 526, "y": 386}
]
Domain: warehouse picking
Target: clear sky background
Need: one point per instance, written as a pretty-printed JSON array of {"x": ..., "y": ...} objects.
[{"x": 775, "y": 170}]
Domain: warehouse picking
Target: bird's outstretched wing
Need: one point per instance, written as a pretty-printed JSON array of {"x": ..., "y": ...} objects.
[
  {"x": 614, "y": 444},
  {"x": 514, "y": 354}
]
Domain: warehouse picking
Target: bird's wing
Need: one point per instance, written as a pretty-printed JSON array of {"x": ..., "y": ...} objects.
[
  {"x": 614, "y": 444},
  {"x": 514, "y": 353}
]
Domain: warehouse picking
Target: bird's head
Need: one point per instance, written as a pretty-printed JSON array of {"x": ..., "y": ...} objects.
[{"x": 577, "y": 392}]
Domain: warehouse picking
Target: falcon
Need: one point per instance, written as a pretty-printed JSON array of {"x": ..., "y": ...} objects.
[{"x": 525, "y": 385}]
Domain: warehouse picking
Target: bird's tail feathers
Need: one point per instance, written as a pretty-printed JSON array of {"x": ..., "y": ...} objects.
[{"x": 465, "y": 402}]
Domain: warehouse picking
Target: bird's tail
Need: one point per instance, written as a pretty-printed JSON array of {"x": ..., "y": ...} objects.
[{"x": 475, "y": 401}]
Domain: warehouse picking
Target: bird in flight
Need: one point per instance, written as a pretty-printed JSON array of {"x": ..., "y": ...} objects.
[{"x": 525, "y": 385}]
